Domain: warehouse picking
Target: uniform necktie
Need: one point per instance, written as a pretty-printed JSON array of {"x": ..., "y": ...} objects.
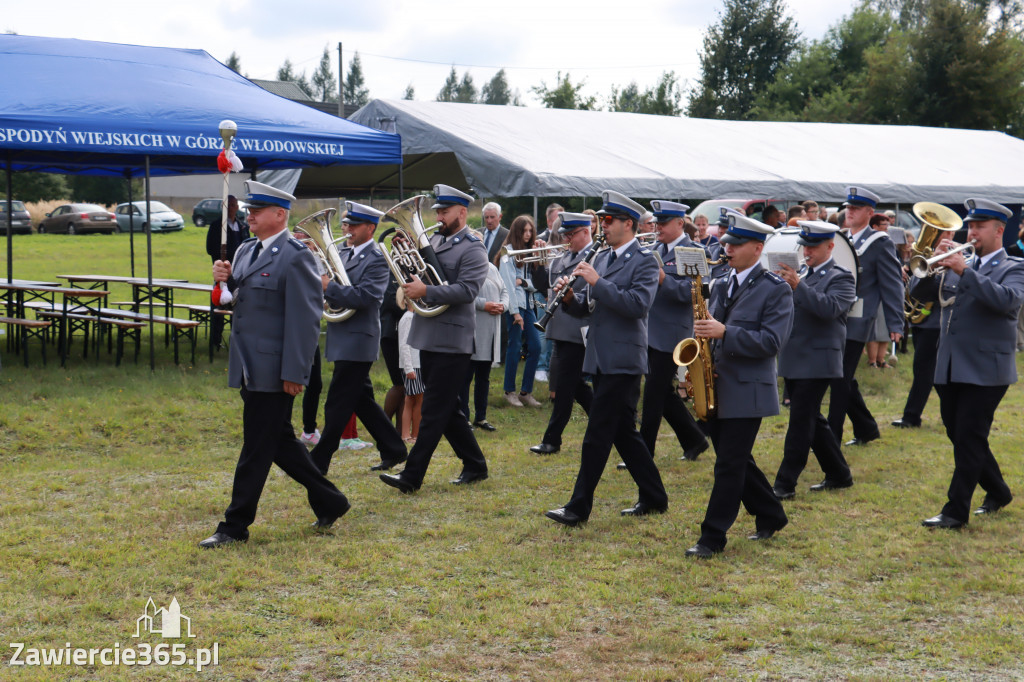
[
  {"x": 443, "y": 240},
  {"x": 256, "y": 252},
  {"x": 611, "y": 258},
  {"x": 731, "y": 291},
  {"x": 350, "y": 255},
  {"x": 977, "y": 263},
  {"x": 663, "y": 247}
]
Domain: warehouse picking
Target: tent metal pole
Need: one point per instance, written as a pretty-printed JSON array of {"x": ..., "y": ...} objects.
[
  {"x": 131, "y": 221},
  {"x": 10, "y": 219},
  {"x": 535, "y": 209},
  {"x": 149, "y": 270}
]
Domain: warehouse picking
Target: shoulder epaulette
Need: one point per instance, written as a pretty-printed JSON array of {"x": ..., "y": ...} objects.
[{"x": 772, "y": 277}]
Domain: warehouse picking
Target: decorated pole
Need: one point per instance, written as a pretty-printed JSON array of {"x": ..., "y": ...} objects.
[{"x": 227, "y": 161}]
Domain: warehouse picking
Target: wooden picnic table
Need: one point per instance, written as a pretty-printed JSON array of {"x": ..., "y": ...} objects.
[
  {"x": 73, "y": 300},
  {"x": 162, "y": 291}
]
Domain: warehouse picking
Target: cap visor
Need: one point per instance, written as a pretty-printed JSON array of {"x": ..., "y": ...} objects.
[
  {"x": 569, "y": 230},
  {"x": 733, "y": 239},
  {"x": 614, "y": 214},
  {"x": 444, "y": 204},
  {"x": 811, "y": 242}
]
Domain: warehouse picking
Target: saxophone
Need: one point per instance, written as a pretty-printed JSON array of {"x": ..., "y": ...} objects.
[{"x": 695, "y": 355}]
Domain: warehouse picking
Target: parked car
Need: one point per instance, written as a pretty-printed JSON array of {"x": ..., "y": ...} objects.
[
  {"x": 208, "y": 210},
  {"x": 752, "y": 208},
  {"x": 163, "y": 217},
  {"x": 79, "y": 218},
  {"x": 22, "y": 221}
]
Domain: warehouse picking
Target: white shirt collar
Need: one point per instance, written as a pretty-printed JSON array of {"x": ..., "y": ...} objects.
[
  {"x": 362, "y": 247},
  {"x": 742, "y": 276},
  {"x": 622, "y": 249},
  {"x": 270, "y": 240}
]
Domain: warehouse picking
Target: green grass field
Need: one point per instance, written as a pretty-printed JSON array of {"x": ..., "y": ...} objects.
[{"x": 111, "y": 475}]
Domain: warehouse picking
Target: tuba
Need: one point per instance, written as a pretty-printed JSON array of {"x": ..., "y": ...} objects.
[
  {"x": 694, "y": 353},
  {"x": 409, "y": 252},
  {"x": 937, "y": 221},
  {"x": 315, "y": 232}
]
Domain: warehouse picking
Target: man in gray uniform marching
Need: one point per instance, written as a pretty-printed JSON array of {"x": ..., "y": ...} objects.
[
  {"x": 566, "y": 331},
  {"x": 670, "y": 321},
  {"x": 622, "y": 284},
  {"x": 751, "y": 315},
  {"x": 879, "y": 281},
  {"x": 445, "y": 342},
  {"x": 822, "y": 295},
  {"x": 353, "y": 344},
  {"x": 278, "y": 301},
  {"x": 976, "y": 362}
]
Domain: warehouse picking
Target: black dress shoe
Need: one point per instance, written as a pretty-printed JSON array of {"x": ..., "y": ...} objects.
[
  {"x": 219, "y": 540},
  {"x": 564, "y": 517},
  {"x": 783, "y": 494},
  {"x": 467, "y": 477},
  {"x": 861, "y": 441},
  {"x": 904, "y": 423},
  {"x": 761, "y": 535},
  {"x": 643, "y": 509},
  {"x": 485, "y": 425},
  {"x": 396, "y": 481},
  {"x": 829, "y": 484},
  {"x": 325, "y": 522},
  {"x": 693, "y": 453},
  {"x": 386, "y": 464},
  {"x": 621, "y": 466},
  {"x": 990, "y": 507},
  {"x": 943, "y": 521},
  {"x": 544, "y": 449},
  {"x": 700, "y": 551}
]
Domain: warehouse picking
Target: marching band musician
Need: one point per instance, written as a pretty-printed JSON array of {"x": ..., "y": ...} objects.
[
  {"x": 353, "y": 345},
  {"x": 621, "y": 288},
  {"x": 813, "y": 355},
  {"x": 566, "y": 331},
  {"x": 879, "y": 281},
  {"x": 716, "y": 249},
  {"x": 278, "y": 303},
  {"x": 671, "y": 319},
  {"x": 926, "y": 346},
  {"x": 445, "y": 342},
  {"x": 976, "y": 362},
  {"x": 751, "y": 315}
]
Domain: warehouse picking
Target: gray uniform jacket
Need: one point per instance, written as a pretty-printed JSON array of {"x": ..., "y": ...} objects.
[
  {"x": 465, "y": 264},
  {"x": 275, "y": 327},
  {"x": 358, "y": 338},
  {"x": 820, "y": 303},
  {"x": 757, "y": 325},
  {"x": 880, "y": 281},
  {"x": 671, "y": 318},
  {"x": 978, "y": 334},
  {"x": 563, "y": 326},
  {"x": 622, "y": 298}
]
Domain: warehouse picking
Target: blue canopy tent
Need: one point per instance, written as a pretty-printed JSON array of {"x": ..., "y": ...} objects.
[{"x": 78, "y": 106}]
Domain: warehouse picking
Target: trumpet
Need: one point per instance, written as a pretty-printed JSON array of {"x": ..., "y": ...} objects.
[
  {"x": 647, "y": 238},
  {"x": 923, "y": 267},
  {"x": 315, "y": 232},
  {"x": 538, "y": 254}
]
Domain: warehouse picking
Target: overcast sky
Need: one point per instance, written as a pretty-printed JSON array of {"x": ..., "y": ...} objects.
[{"x": 404, "y": 42}]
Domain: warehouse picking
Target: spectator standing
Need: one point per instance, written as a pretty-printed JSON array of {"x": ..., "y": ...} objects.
[
  {"x": 491, "y": 302},
  {"x": 518, "y": 277},
  {"x": 410, "y": 362}
]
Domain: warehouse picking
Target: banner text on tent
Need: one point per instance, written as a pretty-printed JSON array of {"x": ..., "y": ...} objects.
[{"x": 165, "y": 141}]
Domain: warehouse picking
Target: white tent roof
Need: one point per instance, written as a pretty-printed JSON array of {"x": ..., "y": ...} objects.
[{"x": 521, "y": 151}]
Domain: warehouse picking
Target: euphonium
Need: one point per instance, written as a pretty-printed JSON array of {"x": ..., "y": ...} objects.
[
  {"x": 325, "y": 247},
  {"x": 409, "y": 252},
  {"x": 695, "y": 355}
]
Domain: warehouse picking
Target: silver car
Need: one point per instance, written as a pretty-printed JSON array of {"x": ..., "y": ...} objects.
[{"x": 164, "y": 218}]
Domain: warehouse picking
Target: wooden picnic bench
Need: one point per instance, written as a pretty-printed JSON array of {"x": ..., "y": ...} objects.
[
  {"x": 28, "y": 329},
  {"x": 124, "y": 328}
]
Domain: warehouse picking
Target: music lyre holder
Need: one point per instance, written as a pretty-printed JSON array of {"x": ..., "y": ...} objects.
[{"x": 691, "y": 261}]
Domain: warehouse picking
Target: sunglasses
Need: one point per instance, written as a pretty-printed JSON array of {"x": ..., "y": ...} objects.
[{"x": 609, "y": 219}]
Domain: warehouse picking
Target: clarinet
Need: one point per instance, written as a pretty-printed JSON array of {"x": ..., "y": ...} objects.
[{"x": 549, "y": 310}]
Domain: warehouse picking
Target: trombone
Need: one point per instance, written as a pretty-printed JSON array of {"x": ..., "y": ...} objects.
[
  {"x": 923, "y": 267},
  {"x": 538, "y": 254}
]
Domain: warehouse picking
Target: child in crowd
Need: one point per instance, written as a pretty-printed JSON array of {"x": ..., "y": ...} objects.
[{"x": 409, "y": 359}]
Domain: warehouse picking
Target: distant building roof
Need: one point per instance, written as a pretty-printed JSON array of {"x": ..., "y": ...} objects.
[{"x": 286, "y": 89}]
